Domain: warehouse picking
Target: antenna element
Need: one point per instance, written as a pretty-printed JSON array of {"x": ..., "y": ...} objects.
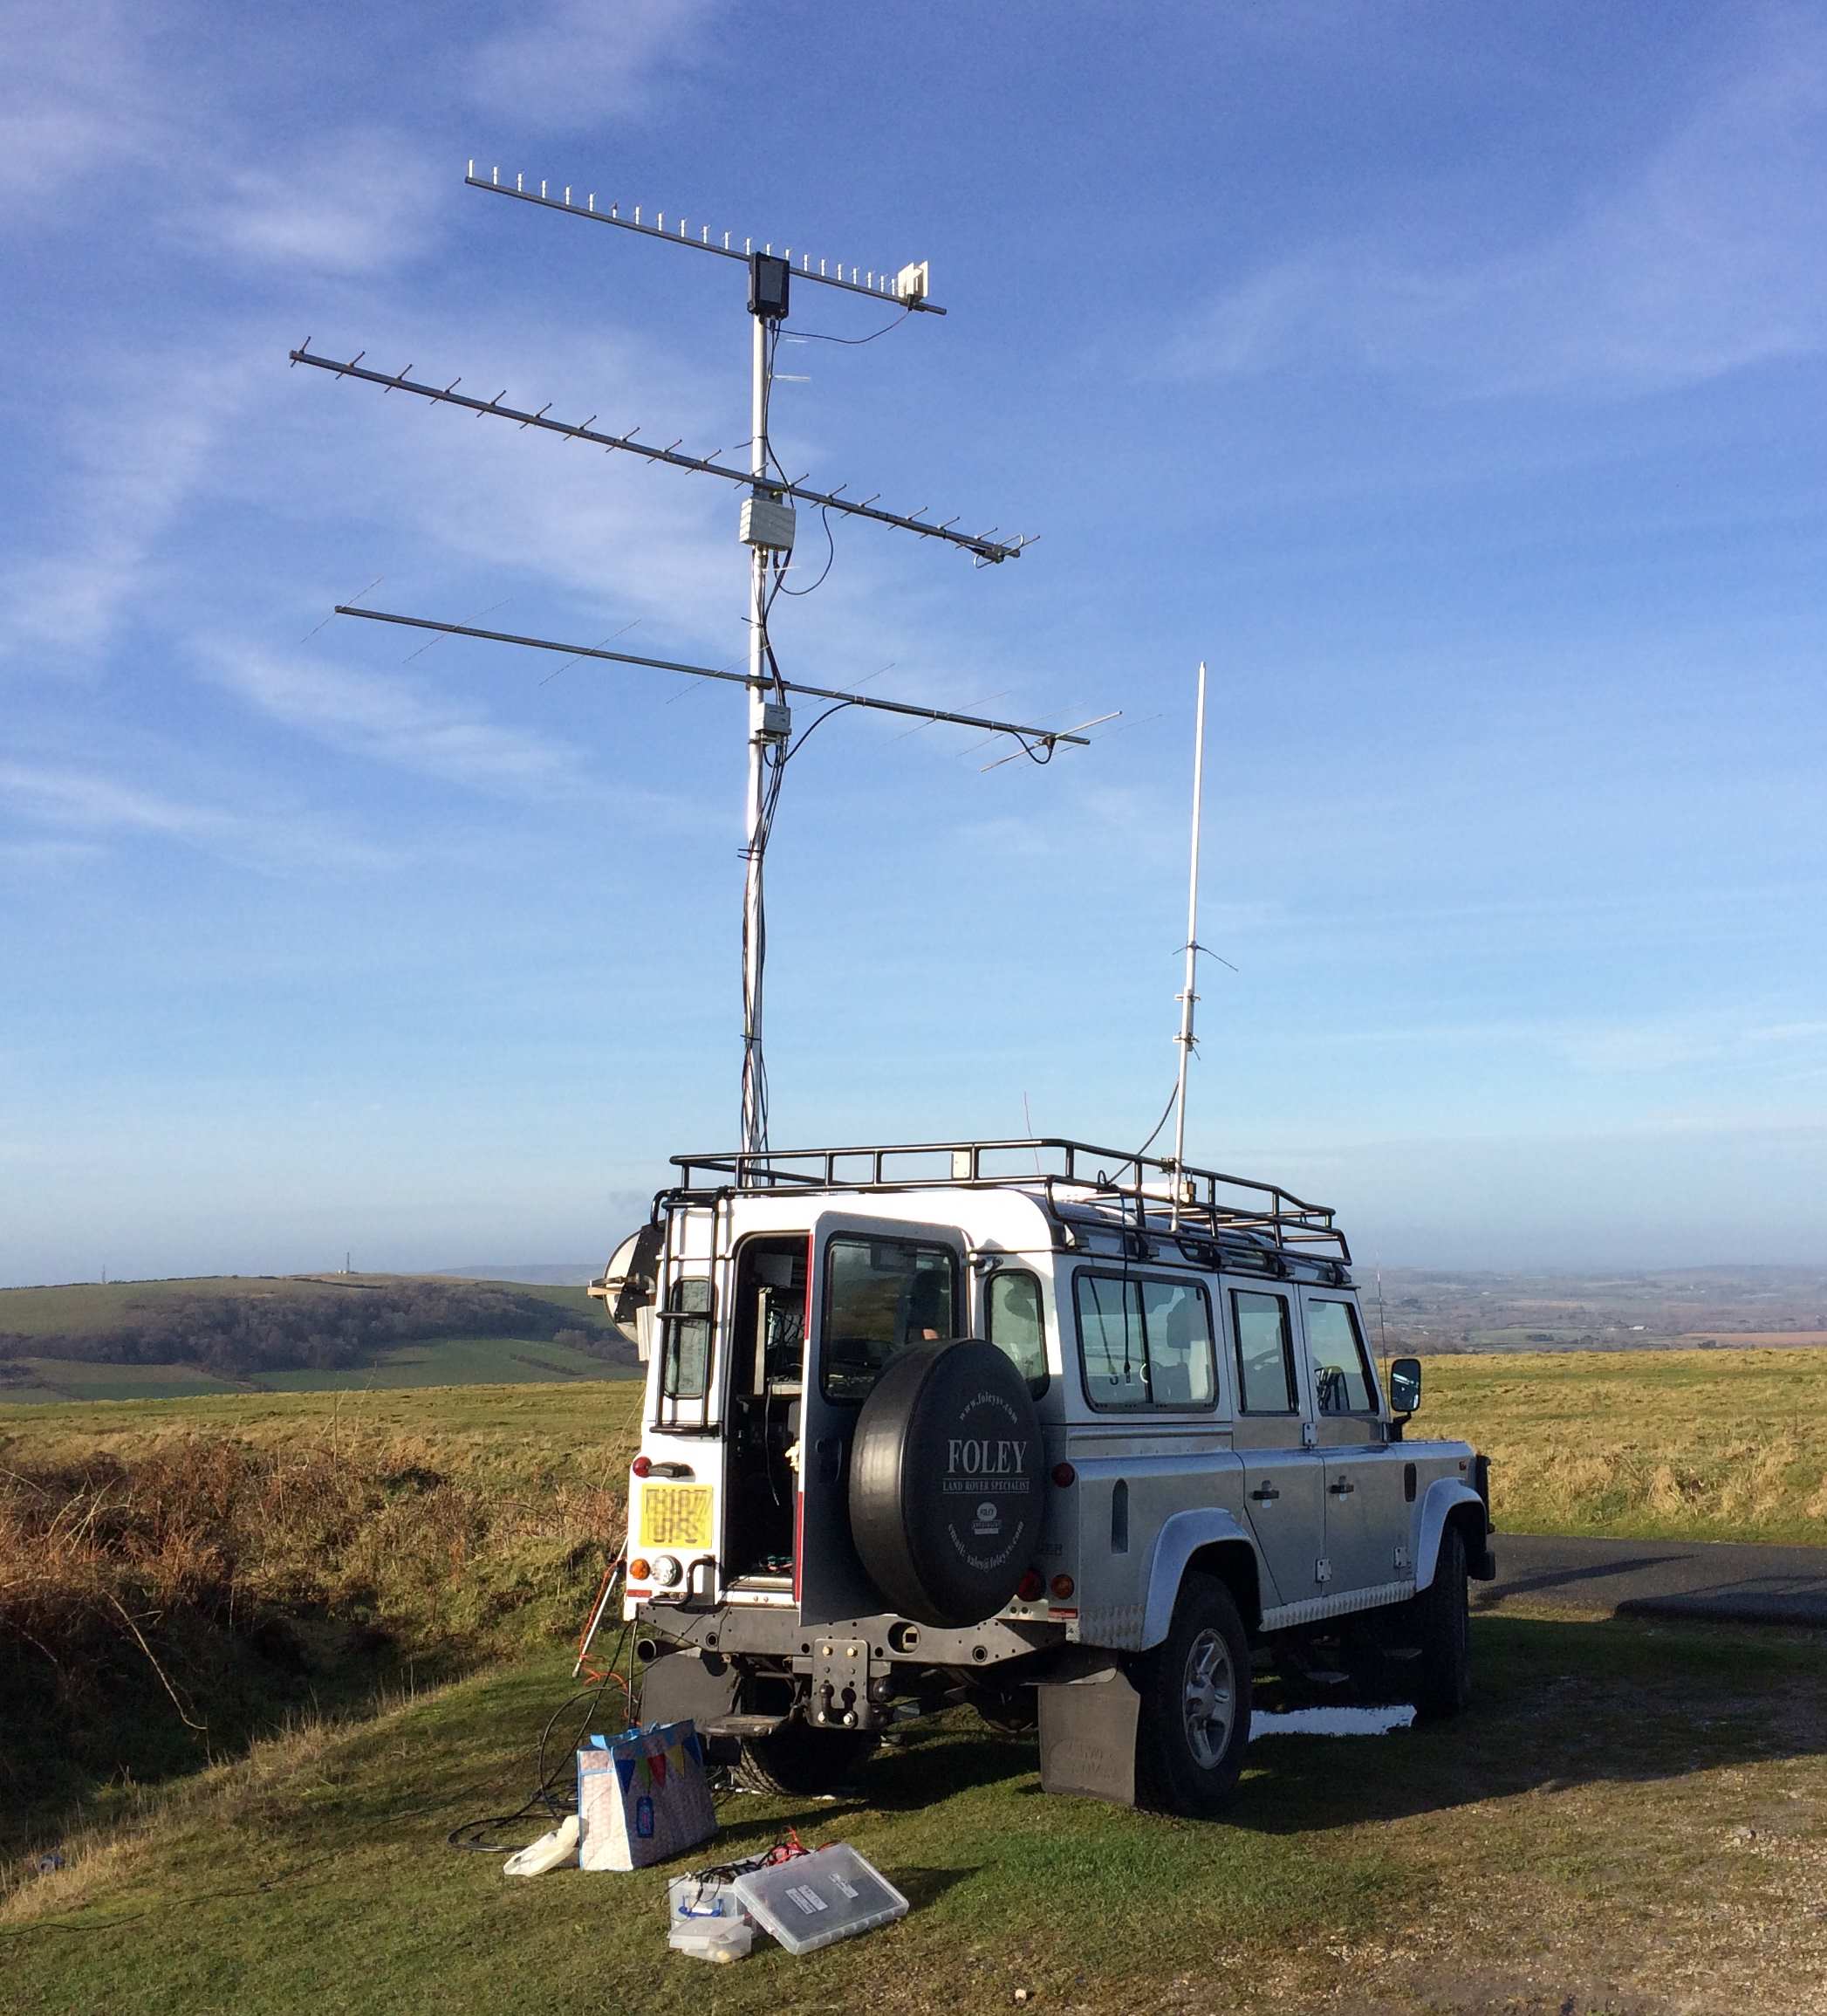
[{"x": 1188, "y": 997}]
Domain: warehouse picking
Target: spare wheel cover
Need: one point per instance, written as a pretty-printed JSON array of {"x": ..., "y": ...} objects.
[{"x": 946, "y": 1482}]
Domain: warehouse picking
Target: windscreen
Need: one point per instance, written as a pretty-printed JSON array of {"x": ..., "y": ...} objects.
[{"x": 880, "y": 1296}]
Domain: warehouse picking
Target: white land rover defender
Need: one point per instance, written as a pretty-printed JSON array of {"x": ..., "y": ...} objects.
[{"x": 1058, "y": 1431}]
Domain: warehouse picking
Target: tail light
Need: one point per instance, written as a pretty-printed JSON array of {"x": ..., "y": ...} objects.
[
  {"x": 1063, "y": 1587},
  {"x": 1030, "y": 1588},
  {"x": 1064, "y": 1474},
  {"x": 641, "y": 1465}
]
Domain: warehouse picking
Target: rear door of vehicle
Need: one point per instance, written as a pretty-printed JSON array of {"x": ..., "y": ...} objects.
[
  {"x": 876, "y": 1286},
  {"x": 1282, "y": 1475}
]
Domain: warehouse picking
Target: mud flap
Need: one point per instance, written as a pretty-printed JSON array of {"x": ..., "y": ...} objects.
[
  {"x": 1087, "y": 1734},
  {"x": 698, "y": 1686}
]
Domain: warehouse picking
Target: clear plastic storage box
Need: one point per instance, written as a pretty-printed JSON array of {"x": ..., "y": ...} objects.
[{"x": 817, "y": 1898}]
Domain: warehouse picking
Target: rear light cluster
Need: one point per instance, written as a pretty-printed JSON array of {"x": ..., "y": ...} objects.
[
  {"x": 664, "y": 1569},
  {"x": 1033, "y": 1585}
]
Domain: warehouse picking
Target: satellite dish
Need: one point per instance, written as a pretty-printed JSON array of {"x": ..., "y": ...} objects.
[{"x": 630, "y": 1283}]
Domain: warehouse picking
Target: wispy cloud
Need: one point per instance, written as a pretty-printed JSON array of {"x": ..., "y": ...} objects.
[
  {"x": 87, "y": 809},
  {"x": 354, "y": 202},
  {"x": 1711, "y": 257},
  {"x": 569, "y": 64},
  {"x": 75, "y": 98},
  {"x": 1624, "y": 1047},
  {"x": 407, "y": 723},
  {"x": 133, "y": 455}
]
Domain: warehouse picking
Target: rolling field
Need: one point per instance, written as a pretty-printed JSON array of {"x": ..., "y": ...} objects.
[{"x": 91, "y": 1309}]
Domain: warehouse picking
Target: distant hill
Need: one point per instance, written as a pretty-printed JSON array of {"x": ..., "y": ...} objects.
[
  {"x": 537, "y": 1273},
  {"x": 129, "y": 1339}
]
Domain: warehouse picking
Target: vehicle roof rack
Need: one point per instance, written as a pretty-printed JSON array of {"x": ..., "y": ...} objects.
[{"x": 1072, "y": 1179}]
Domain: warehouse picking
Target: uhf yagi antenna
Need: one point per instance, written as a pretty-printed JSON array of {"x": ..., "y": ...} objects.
[{"x": 767, "y": 527}]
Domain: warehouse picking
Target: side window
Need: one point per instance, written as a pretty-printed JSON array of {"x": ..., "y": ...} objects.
[
  {"x": 1012, "y": 1315},
  {"x": 1145, "y": 1343},
  {"x": 1178, "y": 1321},
  {"x": 1110, "y": 1335},
  {"x": 1335, "y": 1345},
  {"x": 880, "y": 1295},
  {"x": 688, "y": 1325},
  {"x": 1265, "y": 1353}
]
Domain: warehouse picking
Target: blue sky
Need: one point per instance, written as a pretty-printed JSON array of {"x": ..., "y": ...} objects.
[{"x": 1450, "y": 379}]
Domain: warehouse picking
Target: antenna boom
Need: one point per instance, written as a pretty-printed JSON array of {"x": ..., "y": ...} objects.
[
  {"x": 849, "y": 698},
  {"x": 983, "y": 549},
  {"x": 883, "y": 286}
]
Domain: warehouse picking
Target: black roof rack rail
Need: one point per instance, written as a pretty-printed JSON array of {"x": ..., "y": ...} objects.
[{"x": 1143, "y": 1188}]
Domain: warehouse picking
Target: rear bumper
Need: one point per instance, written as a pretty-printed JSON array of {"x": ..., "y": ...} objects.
[{"x": 772, "y": 1632}]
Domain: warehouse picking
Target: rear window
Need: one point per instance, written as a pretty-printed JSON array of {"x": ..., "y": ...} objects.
[
  {"x": 1015, "y": 1323},
  {"x": 1145, "y": 1342},
  {"x": 880, "y": 1296}
]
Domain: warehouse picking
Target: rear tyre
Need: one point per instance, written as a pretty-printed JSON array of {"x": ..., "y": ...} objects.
[
  {"x": 1443, "y": 1686},
  {"x": 797, "y": 1760},
  {"x": 1192, "y": 1723}
]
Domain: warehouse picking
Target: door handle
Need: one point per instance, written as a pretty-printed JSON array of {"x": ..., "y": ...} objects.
[
  {"x": 1344, "y": 1488},
  {"x": 830, "y": 1457},
  {"x": 1264, "y": 1493}
]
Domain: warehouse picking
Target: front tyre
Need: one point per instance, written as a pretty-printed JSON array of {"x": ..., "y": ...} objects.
[
  {"x": 1192, "y": 1723},
  {"x": 1443, "y": 1686}
]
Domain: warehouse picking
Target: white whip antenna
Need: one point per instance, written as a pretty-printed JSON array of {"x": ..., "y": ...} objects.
[{"x": 1188, "y": 996}]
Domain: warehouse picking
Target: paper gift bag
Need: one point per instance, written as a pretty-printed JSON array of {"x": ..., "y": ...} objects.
[{"x": 641, "y": 1797}]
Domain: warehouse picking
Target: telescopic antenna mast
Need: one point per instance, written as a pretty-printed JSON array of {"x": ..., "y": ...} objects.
[{"x": 767, "y": 529}]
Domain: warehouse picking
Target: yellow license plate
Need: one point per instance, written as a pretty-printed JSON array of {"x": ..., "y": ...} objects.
[{"x": 675, "y": 1515}]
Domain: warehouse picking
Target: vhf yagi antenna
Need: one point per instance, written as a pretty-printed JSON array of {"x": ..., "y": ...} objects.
[{"x": 767, "y": 527}]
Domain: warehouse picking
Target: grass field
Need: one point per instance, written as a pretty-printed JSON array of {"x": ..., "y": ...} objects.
[
  {"x": 1630, "y": 1820},
  {"x": 1717, "y": 1445}
]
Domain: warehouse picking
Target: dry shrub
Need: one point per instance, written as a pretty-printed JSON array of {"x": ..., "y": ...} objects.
[{"x": 156, "y": 1608}]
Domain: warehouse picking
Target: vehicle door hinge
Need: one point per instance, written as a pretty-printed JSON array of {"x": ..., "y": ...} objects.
[
  {"x": 1322, "y": 1570},
  {"x": 1403, "y": 1564}
]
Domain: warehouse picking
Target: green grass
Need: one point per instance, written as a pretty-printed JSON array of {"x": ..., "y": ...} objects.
[
  {"x": 83, "y": 1379},
  {"x": 455, "y": 1362},
  {"x": 514, "y": 1434},
  {"x": 1585, "y": 1825},
  {"x": 428, "y": 1361}
]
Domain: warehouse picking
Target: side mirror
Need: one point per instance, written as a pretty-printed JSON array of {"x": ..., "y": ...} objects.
[{"x": 1405, "y": 1386}]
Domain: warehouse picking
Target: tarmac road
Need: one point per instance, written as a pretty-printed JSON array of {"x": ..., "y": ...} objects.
[{"x": 1722, "y": 1580}]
